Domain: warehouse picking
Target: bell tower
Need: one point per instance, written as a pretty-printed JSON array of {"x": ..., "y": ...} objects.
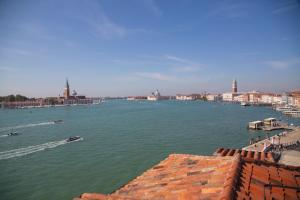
[
  {"x": 67, "y": 90},
  {"x": 234, "y": 86}
]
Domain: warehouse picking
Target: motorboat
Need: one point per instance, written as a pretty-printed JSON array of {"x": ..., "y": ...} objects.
[
  {"x": 73, "y": 138},
  {"x": 58, "y": 121},
  {"x": 12, "y": 134},
  {"x": 245, "y": 104}
]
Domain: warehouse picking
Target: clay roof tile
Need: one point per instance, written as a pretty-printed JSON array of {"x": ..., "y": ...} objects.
[{"x": 183, "y": 176}]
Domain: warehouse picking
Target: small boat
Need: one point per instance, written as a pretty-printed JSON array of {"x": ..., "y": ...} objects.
[
  {"x": 58, "y": 121},
  {"x": 73, "y": 138},
  {"x": 245, "y": 104},
  {"x": 12, "y": 134}
]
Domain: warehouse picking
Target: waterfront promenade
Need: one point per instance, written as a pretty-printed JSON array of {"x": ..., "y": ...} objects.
[
  {"x": 288, "y": 156},
  {"x": 289, "y": 137}
]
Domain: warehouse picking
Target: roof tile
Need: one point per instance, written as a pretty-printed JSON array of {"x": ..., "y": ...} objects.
[
  {"x": 254, "y": 155},
  {"x": 228, "y": 175}
]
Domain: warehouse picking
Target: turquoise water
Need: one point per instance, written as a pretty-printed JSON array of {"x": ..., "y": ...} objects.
[{"x": 121, "y": 140}]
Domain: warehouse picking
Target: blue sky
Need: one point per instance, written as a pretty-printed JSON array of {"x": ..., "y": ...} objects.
[{"x": 132, "y": 47}]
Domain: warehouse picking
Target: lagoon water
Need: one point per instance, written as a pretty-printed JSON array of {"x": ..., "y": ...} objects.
[{"x": 121, "y": 140}]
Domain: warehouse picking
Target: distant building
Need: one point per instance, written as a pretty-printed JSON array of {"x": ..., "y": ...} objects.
[
  {"x": 213, "y": 97},
  {"x": 296, "y": 96},
  {"x": 197, "y": 96},
  {"x": 185, "y": 97},
  {"x": 67, "y": 90},
  {"x": 284, "y": 98},
  {"x": 155, "y": 96},
  {"x": 267, "y": 98},
  {"x": 229, "y": 96},
  {"x": 136, "y": 98},
  {"x": 234, "y": 86},
  {"x": 74, "y": 99},
  {"x": 277, "y": 99},
  {"x": 270, "y": 98},
  {"x": 254, "y": 97},
  {"x": 241, "y": 98}
]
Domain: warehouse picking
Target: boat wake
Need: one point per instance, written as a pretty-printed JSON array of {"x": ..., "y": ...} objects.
[
  {"x": 25, "y": 126},
  {"x": 3, "y": 135},
  {"x": 31, "y": 149}
]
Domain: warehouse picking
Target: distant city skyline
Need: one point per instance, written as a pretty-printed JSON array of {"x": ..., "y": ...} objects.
[{"x": 113, "y": 48}]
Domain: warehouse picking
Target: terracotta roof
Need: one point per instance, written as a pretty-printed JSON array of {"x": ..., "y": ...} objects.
[
  {"x": 182, "y": 176},
  {"x": 261, "y": 180},
  {"x": 255, "y": 155}
]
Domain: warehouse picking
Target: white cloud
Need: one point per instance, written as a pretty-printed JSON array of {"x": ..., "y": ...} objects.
[
  {"x": 251, "y": 53},
  {"x": 70, "y": 44},
  {"x": 276, "y": 64},
  {"x": 167, "y": 62},
  {"x": 229, "y": 9},
  {"x": 8, "y": 69},
  {"x": 152, "y": 6},
  {"x": 105, "y": 27},
  {"x": 188, "y": 65},
  {"x": 155, "y": 75},
  {"x": 175, "y": 58},
  {"x": 286, "y": 6},
  {"x": 102, "y": 25},
  {"x": 22, "y": 52},
  {"x": 283, "y": 64},
  {"x": 36, "y": 29},
  {"x": 188, "y": 69},
  {"x": 169, "y": 57}
]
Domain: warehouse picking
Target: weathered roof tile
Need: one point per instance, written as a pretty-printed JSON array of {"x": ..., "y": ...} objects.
[{"x": 228, "y": 175}]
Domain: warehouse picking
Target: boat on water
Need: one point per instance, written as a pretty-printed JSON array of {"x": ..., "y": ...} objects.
[
  {"x": 13, "y": 134},
  {"x": 292, "y": 113},
  {"x": 245, "y": 104},
  {"x": 255, "y": 125},
  {"x": 73, "y": 138},
  {"x": 58, "y": 121},
  {"x": 284, "y": 108}
]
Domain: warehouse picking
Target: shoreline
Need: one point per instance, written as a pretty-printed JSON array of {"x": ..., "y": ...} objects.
[{"x": 285, "y": 137}]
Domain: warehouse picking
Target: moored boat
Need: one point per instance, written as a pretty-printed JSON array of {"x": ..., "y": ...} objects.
[
  {"x": 292, "y": 113},
  {"x": 284, "y": 108}
]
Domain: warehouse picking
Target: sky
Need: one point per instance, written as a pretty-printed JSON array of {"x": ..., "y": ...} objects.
[{"x": 132, "y": 47}]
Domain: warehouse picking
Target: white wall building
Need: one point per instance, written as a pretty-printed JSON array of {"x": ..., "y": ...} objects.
[
  {"x": 155, "y": 96},
  {"x": 185, "y": 97},
  {"x": 254, "y": 97},
  {"x": 241, "y": 98},
  {"x": 227, "y": 96},
  {"x": 152, "y": 98},
  {"x": 213, "y": 97},
  {"x": 291, "y": 101},
  {"x": 266, "y": 98},
  {"x": 277, "y": 100}
]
